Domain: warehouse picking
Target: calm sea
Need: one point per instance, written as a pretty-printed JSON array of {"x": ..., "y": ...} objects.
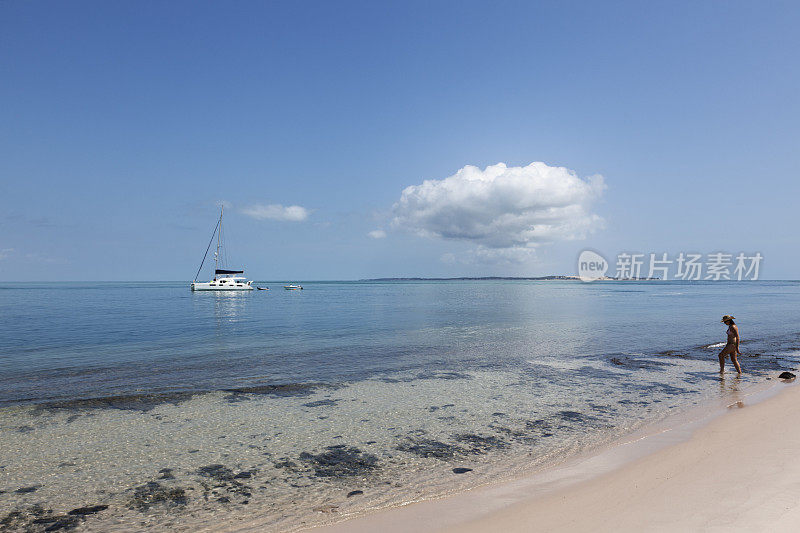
[{"x": 179, "y": 409}]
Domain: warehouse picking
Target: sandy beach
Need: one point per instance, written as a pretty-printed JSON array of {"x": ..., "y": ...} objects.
[{"x": 735, "y": 469}]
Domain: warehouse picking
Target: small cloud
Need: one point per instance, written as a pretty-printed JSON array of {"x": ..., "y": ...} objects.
[
  {"x": 377, "y": 234},
  {"x": 289, "y": 213},
  {"x": 5, "y": 253},
  {"x": 41, "y": 258}
]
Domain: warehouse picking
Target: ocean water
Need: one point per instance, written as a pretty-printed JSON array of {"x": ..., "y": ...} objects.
[{"x": 144, "y": 405}]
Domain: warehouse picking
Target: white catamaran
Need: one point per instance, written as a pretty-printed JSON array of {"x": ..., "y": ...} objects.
[{"x": 224, "y": 279}]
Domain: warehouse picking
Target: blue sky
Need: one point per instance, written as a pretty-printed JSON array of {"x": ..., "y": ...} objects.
[{"x": 125, "y": 124}]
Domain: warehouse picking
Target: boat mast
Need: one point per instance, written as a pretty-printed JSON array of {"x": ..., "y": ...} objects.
[{"x": 219, "y": 235}]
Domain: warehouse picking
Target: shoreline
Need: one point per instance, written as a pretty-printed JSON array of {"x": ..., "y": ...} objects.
[{"x": 581, "y": 484}]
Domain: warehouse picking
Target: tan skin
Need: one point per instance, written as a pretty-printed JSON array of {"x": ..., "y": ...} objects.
[{"x": 731, "y": 348}]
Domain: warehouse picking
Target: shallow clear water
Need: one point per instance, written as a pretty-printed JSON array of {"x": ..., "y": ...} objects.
[{"x": 179, "y": 409}]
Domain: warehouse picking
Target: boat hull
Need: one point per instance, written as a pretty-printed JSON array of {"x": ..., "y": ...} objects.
[{"x": 209, "y": 287}]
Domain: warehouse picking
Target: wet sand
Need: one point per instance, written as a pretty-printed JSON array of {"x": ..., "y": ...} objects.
[{"x": 735, "y": 468}]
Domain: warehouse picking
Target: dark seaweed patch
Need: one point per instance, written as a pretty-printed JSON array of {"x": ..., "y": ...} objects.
[
  {"x": 35, "y": 518},
  {"x": 132, "y": 402},
  {"x": 320, "y": 403},
  {"x": 282, "y": 390},
  {"x": 631, "y": 402},
  {"x": 602, "y": 408},
  {"x": 666, "y": 389},
  {"x": 575, "y": 416},
  {"x": 223, "y": 478},
  {"x": 430, "y": 448},
  {"x": 479, "y": 444},
  {"x": 443, "y": 375},
  {"x": 20, "y": 520},
  {"x": 633, "y": 363},
  {"x": 540, "y": 424},
  {"x": 514, "y": 434},
  {"x": 57, "y": 522},
  {"x": 671, "y": 353},
  {"x": 285, "y": 463},
  {"x": 217, "y": 472},
  {"x": 340, "y": 461},
  {"x": 153, "y": 493}
]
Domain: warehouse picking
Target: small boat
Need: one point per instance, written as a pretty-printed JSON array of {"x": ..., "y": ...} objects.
[
  {"x": 263, "y": 288},
  {"x": 293, "y": 287},
  {"x": 224, "y": 279}
]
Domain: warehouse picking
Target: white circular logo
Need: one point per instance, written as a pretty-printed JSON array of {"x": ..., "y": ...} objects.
[{"x": 591, "y": 266}]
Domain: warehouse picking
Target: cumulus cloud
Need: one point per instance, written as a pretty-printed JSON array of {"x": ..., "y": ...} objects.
[
  {"x": 505, "y": 211},
  {"x": 377, "y": 234},
  {"x": 289, "y": 213}
]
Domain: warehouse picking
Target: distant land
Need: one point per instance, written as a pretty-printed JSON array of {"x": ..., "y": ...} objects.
[{"x": 517, "y": 278}]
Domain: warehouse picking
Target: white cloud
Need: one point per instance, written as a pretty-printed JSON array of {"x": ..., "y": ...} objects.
[
  {"x": 505, "y": 211},
  {"x": 290, "y": 213},
  {"x": 377, "y": 234},
  {"x": 5, "y": 253}
]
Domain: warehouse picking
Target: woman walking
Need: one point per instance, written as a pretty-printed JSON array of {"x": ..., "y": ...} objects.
[{"x": 732, "y": 347}]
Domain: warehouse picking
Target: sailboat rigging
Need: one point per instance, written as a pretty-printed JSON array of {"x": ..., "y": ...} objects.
[{"x": 224, "y": 279}]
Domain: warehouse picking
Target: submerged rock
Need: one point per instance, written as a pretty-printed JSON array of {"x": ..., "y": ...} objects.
[
  {"x": 341, "y": 461},
  {"x": 83, "y": 511}
]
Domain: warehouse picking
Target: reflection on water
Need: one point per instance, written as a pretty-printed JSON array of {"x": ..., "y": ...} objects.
[
  {"x": 730, "y": 387},
  {"x": 229, "y": 306}
]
